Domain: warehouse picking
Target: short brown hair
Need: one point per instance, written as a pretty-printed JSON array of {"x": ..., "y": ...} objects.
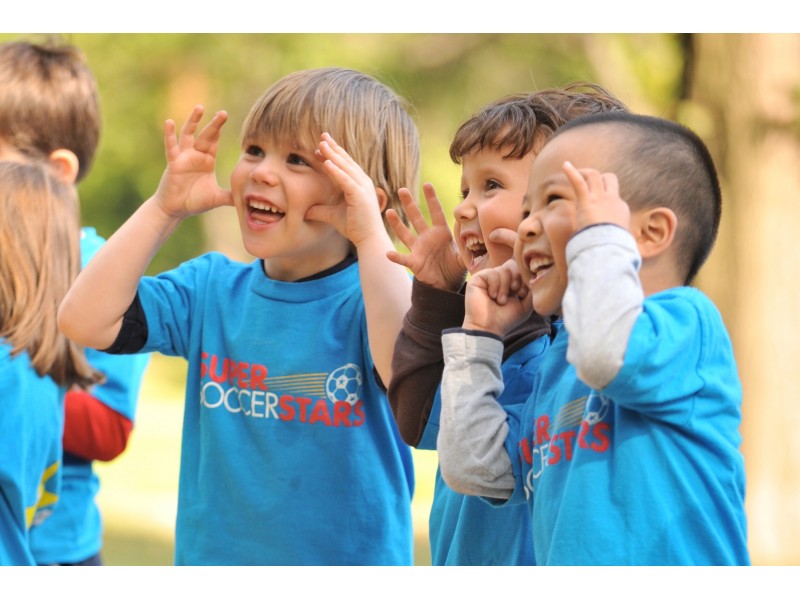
[
  {"x": 521, "y": 123},
  {"x": 48, "y": 101}
]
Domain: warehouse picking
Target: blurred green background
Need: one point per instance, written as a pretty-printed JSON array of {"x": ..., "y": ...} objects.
[{"x": 740, "y": 92}]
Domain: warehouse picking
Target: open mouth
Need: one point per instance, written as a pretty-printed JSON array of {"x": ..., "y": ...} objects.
[
  {"x": 477, "y": 248},
  {"x": 538, "y": 266},
  {"x": 264, "y": 212}
]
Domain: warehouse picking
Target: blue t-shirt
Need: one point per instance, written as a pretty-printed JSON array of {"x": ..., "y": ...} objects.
[
  {"x": 465, "y": 530},
  {"x": 73, "y": 532},
  {"x": 290, "y": 453},
  {"x": 648, "y": 470},
  {"x": 31, "y": 420}
]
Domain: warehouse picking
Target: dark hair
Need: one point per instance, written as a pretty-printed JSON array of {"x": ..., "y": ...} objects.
[
  {"x": 522, "y": 123},
  {"x": 664, "y": 163},
  {"x": 48, "y": 101}
]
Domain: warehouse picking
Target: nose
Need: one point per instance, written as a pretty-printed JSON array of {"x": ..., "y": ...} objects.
[
  {"x": 264, "y": 171},
  {"x": 529, "y": 228},
  {"x": 465, "y": 210}
]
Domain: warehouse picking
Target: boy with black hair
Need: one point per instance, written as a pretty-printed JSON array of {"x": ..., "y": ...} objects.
[{"x": 627, "y": 450}]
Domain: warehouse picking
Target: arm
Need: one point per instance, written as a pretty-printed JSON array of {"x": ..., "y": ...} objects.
[
  {"x": 471, "y": 443},
  {"x": 472, "y": 455},
  {"x": 386, "y": 286},
  {"x": 92, "y": 311},
  {"x": 602, "y": 252},
  {"x": 436, "y": 304},
  {"x": 93, "y": 430},
  {"x": 418, "y": 362}
]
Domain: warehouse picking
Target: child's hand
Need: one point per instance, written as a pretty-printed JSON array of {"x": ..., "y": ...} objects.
[
  {"x": 189, "y": 184},
  {"x": 434, "y": 258},
  {"x": 597, "y": 198},
  {"x": 496, "y": 300},
  {"x": 359, "y": 216},
  {"x": 502, "y": 235}
]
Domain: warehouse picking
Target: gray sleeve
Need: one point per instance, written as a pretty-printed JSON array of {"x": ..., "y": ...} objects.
[
  {"x": 473, "y": 430},
  {"x": 603, "y": 299}
]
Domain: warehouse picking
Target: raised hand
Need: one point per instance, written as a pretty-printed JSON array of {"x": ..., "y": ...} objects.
[
  {"x": 433, "y": 258},
  {"x": 189, "y": 184},
  {"x": 496, "y": 299},
  {"x": 359, "y": 216},
  {"x": 597, "y": 198}
]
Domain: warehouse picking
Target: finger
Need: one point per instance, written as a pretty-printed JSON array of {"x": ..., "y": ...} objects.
[
  {"x": 190, "y": 125},
  {"x": 575, "y": 179},
  {"x": 398, "y": 258},
  {"x": 434, "y": 206},
  {"x": 506, "y": 237},
  {"x": 324, "y": 213},
  {"x": 611, "y": 183},
  {"x": 411, "y": 208},
  {"x": 402, "y": 232},
  {"x": 170, "y": 141},
  {"x": 208, "y": 139},
  {"x": 334, "y": 152}
]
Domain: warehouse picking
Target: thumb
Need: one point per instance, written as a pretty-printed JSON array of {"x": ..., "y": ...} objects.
[
  {"x": 321, "y": 212},
  {"x": 501, "y": 235},
  {"x": 224, "y": 198}
]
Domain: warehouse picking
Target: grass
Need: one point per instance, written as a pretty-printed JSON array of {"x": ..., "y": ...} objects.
[{"x": 138, "y": 492}]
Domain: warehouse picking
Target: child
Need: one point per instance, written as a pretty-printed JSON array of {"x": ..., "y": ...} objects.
[
  {"x": 495, "y": 148},
  {"x": 627, "y": 450},
  {"x": 49, "y": 108},
  {"x": 290, "y": 454},
  {"x": 39, "y": 238}
]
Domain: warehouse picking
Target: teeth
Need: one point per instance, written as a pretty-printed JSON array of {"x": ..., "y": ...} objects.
[
  {"x": 265, "y": 207},
  {"x": 474, "y": 243},
  {"x": 536, "y": 265}
]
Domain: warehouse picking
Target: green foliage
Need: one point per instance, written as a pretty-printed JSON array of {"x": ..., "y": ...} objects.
[{"x": 147, "y": 78}]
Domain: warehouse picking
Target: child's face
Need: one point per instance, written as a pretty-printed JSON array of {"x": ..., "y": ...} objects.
[
  {"x": 549, "y": 218},
  {"x": 273, "y": 186},
  {"x": 492, "y": 188}
]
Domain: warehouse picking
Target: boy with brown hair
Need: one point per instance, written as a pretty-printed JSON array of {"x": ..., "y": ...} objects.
[
  {"x": 49, "y": 110},
  {"x": 495, "y": 148},
  {"x": 627, "y": 448}
]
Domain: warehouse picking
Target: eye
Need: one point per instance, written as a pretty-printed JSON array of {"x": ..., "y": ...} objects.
[
  {"x": 296, "y": 159},
  {"x": 553, "y": 198},
  {"x": 525, "y": 213},
  {"x": 253, "y": 150},
  {"x": 464, "y": 193},
  {"x": 493, "y": 184}
]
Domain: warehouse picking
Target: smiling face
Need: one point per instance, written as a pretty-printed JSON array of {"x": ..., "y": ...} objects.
[
  {"x": 492, "y": 188},
  {"x": 273, "y": 186},
  {"x": 549, "y": 216}
]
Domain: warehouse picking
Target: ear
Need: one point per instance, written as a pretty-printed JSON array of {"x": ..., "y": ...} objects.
[
  {"x": 383, "y": 199},
  {"x": 654, "y": 230},
  {"x": 65, "y": 163}
]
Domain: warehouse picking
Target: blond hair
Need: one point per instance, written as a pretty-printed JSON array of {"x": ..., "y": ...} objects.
[
  {"x": 40, "y": 258},
  {"x": 363, "y": 115}
]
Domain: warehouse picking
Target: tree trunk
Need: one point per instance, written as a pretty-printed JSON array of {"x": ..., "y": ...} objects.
[{"x": 743, "y": 100}]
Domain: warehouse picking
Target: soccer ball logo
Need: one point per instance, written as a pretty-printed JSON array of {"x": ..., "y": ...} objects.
[
  {"x": 344, "y": 384},
  {"x": 596, "y": 408}
]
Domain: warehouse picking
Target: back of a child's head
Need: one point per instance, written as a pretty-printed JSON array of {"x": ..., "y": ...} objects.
[
  {"x": 659, "y": 162},
  {"x": 48, "y": 101},
  {"x": 40, "y": 259},
  {"x": 521, "y": 123},
  {"x": 368, "y": 119}
]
